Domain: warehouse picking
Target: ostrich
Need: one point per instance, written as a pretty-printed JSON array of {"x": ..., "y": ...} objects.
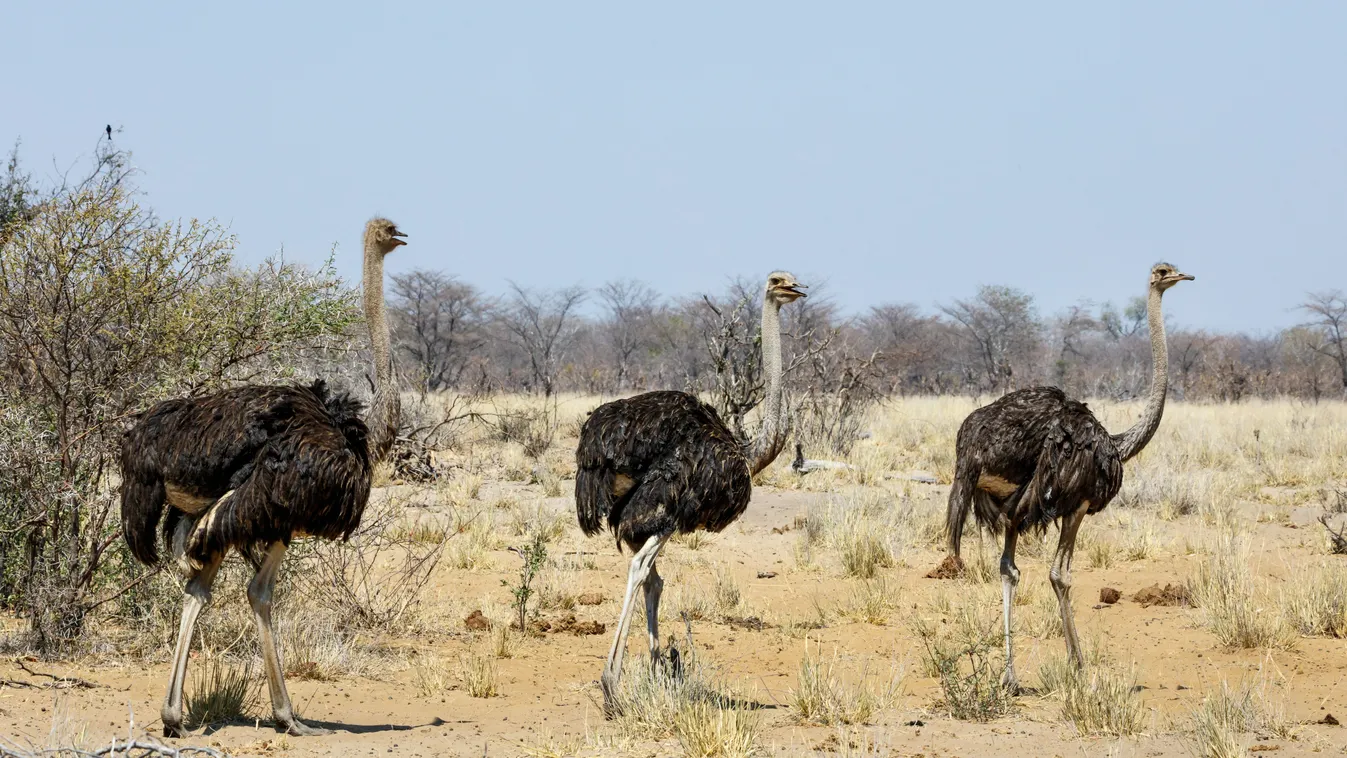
[
  {"x": 1034, "y": 457},
  {"x": 663, "y": 462},
  {"x": 251, "y": 468}
]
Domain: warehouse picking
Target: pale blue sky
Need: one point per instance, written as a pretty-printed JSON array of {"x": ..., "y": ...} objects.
[{"x": 902, "y": 151}]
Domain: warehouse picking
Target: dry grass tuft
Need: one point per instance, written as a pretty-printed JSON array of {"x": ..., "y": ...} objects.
[
  {"x": 432, "y": 676},
  {"x": 224, "y": 692},
  {"x": 1234, "y": 605},
  {"x": 1224, "y": 724},
  {"x": 710, "y": 730},
  {"x": 1315, "y": 600},
  {"x": 822, "y": 696},
  {"x": 695, "y": 708},
  {"x": 1101, "y": 701},
  {"x": 477, "y": 671},
  {"x": 870, "y": 602},
  {"x": 862, "y": 545}
]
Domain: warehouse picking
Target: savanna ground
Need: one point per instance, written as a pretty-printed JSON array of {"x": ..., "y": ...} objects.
[{"x": 808, "y": 627}]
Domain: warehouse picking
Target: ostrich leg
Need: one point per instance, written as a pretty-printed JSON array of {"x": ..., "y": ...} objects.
[
  {"x": 1060, "y": 576},
  {"x": 654, "y": 587},
  {"x": 1010, "y": 579},
  {"x": 641, "y": 565},
  {"x": 195, "y": 596},
  {"x": 259, "y": 597}
]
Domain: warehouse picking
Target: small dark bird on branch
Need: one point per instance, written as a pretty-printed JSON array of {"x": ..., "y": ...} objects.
[{"x": 109, "y": 129}]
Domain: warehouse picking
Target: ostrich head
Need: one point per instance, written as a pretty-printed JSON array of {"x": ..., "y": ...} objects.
[
  {"x": 383, "y": 235},
  {"x": 1166, "y": 275},
  {"x": 783, "y": 288}
]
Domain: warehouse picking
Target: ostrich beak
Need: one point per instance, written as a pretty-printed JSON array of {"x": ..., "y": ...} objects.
[
  {"x": 1183, "y": 277},
  {"x": 794, "y": 289},
  {"x": 398, "y": 237}
]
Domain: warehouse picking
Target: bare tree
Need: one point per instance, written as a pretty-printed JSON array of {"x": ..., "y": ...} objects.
[
  {"x": 438, "y": 325},
  {"x": 1125, "y": 324},
  {"x": 631, "y": 306},
  {"x": 1073, "y": 328},
  {"x": 1329, "y": 318},
  {"x": 541, "y": 326},
  {"x": 1002, "y": 326}
]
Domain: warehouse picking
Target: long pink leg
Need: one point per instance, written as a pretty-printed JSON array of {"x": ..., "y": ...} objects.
[
  {"x": 259, "y": 596},
  {"x": 195, "y": 597},
  {"x": 641, "y": 565},
  {"x": 1060, "y": 575},
  {"x": 1010, "y": 579}
]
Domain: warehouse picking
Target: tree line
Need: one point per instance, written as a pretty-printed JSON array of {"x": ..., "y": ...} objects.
[{"x": 626, "y": 337}]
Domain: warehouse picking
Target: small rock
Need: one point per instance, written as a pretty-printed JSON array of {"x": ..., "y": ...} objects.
[
  {"x": 950, "y": 568},
  {"x": 1182, "y": 687},
  {"x": 590, "y": 598},
  {"x": 914, "y": 722},
  {"x": 766, "y": 574},
  {"x": 476, "y": 622},
  {"x": 1109, "y": 596},
  {"x": 1329, "y": 720}
]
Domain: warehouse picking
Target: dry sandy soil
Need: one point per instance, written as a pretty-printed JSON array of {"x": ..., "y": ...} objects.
[{"x": 778, "y": 589}]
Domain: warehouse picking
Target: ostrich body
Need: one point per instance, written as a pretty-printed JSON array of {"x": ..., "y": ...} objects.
[
  {"x": 251, "y": 468},
  {"x": 662, "y": 463},
  {"x": 1034, "y": 457}
]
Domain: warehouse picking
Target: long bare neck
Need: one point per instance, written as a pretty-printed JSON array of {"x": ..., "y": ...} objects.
[
  {"x": 775, "y": 428},
  {"x": 1133, "y": 440},
  {"x": 385, "y": 408}
]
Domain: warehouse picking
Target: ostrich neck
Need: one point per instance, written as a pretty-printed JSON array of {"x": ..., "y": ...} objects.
[
  {"x": 383, "y": 417},
  {"x": 772, "y": 436},
  {"x": 1134, "y": 440}
]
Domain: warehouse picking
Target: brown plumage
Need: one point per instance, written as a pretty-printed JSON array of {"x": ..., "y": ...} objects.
[
  {"x": 687, "y": 470},
  {"x": 251, "y": 468},
  {"x": 661, "y": 463},
  {"x": 1035, "y": 457},
  {"x": 296, "y": 460}
]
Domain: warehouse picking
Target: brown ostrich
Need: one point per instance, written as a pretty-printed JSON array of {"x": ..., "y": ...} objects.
[
  {"x": 662, "y": 463},
  {"x": 1034, "y": 457},
  {"x": 251, "y": 468}
]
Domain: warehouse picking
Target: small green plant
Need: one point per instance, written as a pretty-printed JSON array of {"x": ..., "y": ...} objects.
[{"x": 535, "y": 556}]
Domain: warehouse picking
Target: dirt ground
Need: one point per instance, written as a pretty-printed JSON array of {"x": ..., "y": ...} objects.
[{"x": 789, "y": 603}]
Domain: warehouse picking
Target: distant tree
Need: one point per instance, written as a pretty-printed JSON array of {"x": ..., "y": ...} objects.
[
  {"x": 1125, "y": 324},
  {"x": 1328, "y": 311},
  {"x": 438, "y": 325},
  {"x": 1073, "y": 327},
  {"x": 628, "y": 328},
  {"x": 541, "y": 326},
  {"x": 1002, "y": 326}
]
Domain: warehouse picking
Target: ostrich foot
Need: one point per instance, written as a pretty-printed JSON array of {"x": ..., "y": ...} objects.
[
  {"x": 611, "y": 709},
  {"x": 172, "y": 722},
  {"x": 297, "y": 728}
]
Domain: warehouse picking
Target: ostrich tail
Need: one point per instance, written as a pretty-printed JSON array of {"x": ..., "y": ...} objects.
[
  {"x": 143, "y": 505},
  {"x": 593, "y": 498},
  {"x": 956, "y": 514}
]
